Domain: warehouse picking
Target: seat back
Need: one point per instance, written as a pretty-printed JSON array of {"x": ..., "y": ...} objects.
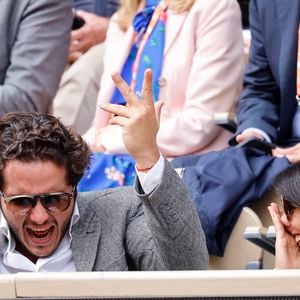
[
  {"x": 261, "y": 209},
  {"x": 240, "y": 252}
]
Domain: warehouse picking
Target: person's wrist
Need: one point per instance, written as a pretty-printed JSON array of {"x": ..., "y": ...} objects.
[
  {"x": 146, "y": 163},
  {"x": 145, "y": 170}
]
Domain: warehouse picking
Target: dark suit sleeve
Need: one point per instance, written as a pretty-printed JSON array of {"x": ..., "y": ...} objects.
[
  {"x": 104, "y": 8},
  {"x": 38, "y": 55},
  {"x": 259, "y": 103},
  {"x": 86, "y": 5},
  {"x": 165, "y": 232},
  {"x": 107, "y": 8}
]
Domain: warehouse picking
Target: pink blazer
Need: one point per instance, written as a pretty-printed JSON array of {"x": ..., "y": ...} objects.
[{"x": 201, "y": 76}]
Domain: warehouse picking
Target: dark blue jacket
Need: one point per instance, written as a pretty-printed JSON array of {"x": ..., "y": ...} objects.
[
  {"x": 99, "y": 7},
  {"x": 268, "y": 100}
]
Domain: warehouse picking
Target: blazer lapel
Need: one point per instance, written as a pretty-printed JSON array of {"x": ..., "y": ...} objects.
[
  {"x": 173, "y": 25},
  {"x": 86, "y": 236},
  {"x": 125, "y": 49},
  {"x": 288, "y": 17}
]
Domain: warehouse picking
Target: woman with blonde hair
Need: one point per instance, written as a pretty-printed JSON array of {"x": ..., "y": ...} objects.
[{"x": 195, "y": 50}]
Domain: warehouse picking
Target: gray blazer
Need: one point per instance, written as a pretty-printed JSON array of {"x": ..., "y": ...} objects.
[
  {"x": 125, "y": 229},
  {"x": 34, "y": 46}
]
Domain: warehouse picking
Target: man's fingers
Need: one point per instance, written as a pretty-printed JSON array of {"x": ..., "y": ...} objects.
[
  {"x": 291, "y": 153},
  {"x": 147, "y": 94},
  {"x": 83, "y": 45},
  {"x": 243, "y": 137},
  {"x": 74, "y": 47},
  {"x": 290, "y": 150},
  {"x": 78, "y": 34},
  {"x": 124, "y": 88},
  {"x": 247, "y": 134},
  {"x": 82, "y": 14},
  {"x": 73, "y": 56},
  {"x": 278, "y": 152},
  {"x": 119, "y": 110},
  {"x": 239, "y": 138},
  {"x": 118, "y": 120},
  {"x": 293, "y": 158}
]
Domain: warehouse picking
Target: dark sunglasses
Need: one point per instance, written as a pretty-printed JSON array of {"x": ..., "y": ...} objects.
[
  {"x": 53, "y": 202},
  {"x": 288, "y": 207}
]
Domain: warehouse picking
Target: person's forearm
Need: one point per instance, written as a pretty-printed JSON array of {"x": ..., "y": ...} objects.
[
  {"x": 16, "y": 98},
  {"x": 174, "y": 223},
  {"x": 37, "y": 57},
  {"x": 258, "y": 105}
]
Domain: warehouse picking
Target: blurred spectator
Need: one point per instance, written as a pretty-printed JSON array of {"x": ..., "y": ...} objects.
[
  {"x": 33, "y": 52},
  {"x": 77, "y": 95},
  {"x": 268, "y": 114},
  {"x": 94, "y": 15},
  {"x": 196, "y": 74}
]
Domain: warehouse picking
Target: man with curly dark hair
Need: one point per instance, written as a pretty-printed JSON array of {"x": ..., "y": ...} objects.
[{"x": 45, "y": 225}]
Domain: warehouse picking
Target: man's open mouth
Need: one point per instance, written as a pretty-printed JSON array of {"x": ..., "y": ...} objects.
[{"x": 40, "y": 233}]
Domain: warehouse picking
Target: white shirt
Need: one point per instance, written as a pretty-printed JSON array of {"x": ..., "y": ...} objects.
[{"x": 62, "y": 259}]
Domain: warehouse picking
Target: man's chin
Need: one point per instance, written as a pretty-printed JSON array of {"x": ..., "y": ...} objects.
[{"x": 33, "y": 253}]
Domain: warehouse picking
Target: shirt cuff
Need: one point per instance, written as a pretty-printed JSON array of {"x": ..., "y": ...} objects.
[
  {"x": 260, "y": 132},
  {"x": 150, "y": 180}
]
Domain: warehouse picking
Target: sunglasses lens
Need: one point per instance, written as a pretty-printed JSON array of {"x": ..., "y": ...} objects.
[
  {"x": 21, "y": 205},
  {"x": 57, "y": 202}
]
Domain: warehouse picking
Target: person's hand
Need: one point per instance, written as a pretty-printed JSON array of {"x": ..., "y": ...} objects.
[
  {"x": 91, "y": 33},
  {"x": 286, "y": 247},
  {"x": 139, "y": 119},
  {"x": 291, "y": 153},
  {"x": 247, "y": 134}
]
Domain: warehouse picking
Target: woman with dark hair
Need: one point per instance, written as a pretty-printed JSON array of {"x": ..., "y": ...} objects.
[{"x": 286, "y": 219}]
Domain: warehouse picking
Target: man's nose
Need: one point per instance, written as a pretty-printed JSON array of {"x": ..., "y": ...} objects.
[{"x": 39, "y": 214}]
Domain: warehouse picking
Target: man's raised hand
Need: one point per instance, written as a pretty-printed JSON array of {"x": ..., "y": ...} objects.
[{"x": 139, "y": 119}]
